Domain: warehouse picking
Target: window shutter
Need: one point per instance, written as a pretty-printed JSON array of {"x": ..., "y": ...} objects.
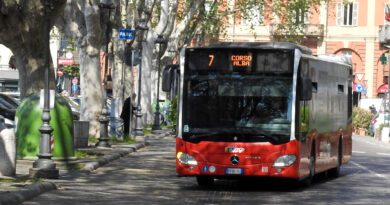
[
  {"x": 355, "y": 14},
  {"x": 306, "y": 18},
  {"x": 339, "y": 14}
]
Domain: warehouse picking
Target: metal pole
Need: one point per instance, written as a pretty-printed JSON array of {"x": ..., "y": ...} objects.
[
  {"x": 44, "y": 166},
  {"x": 156, "y": 124},
  {"x": 139, "y": 131},
  {"x": 131, "y": 94},
  {"x": 103, "y": 118}
]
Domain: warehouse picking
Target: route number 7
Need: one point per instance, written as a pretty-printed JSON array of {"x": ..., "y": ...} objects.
[{"x": 211, "y": 59}]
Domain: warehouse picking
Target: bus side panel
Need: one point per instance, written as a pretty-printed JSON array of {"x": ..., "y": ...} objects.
[
  {"x": 255, "y": 159},
  {"x": 347, "y": 144},
  {"x": 330, "y": 112}
]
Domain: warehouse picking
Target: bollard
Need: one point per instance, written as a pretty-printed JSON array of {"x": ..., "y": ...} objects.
[
  {"x": 81, "y": 134},
  {"x": 7, "y": 152}
]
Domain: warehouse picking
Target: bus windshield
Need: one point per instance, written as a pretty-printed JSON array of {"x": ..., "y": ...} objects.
[{"x": 242, "y": 104}]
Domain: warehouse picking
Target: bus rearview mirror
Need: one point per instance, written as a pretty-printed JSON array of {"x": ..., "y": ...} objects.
[{"x": 166, "y": 79}]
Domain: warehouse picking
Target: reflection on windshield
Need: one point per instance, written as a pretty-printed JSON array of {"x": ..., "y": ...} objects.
[{"x": 228, "y": 101}]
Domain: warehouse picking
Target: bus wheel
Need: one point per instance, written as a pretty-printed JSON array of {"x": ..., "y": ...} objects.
[
  {"x": 308, "y": 180},
  {"x": 205, "y": 181},
  {"x": 335, "y": 172}
]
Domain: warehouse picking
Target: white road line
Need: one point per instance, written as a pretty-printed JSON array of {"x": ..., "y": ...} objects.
[
  {"x": 368, "y": 170},
  {"x": 359, "y": 152},
  {"x": 371, "y": 143},
  {"x": 385, "y": 154}
]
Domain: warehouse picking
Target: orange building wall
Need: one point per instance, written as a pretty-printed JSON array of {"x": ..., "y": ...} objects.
[
  {"x": 380, "y": 14},
  {"x": 314, "y": 16},
  {"x": 358, "y": 53},
  {"x": 363, "y": 10},
  {"x": 332, "y": 13}
]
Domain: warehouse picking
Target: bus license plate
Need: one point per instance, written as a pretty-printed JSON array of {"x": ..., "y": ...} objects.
[{"x": 233, "y": 171}]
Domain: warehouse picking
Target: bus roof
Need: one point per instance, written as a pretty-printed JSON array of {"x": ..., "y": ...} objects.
[{"x": 264, "y": 45}]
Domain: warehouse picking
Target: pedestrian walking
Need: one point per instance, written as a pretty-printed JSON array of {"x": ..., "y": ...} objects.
[{"x": 126, "y": 115}]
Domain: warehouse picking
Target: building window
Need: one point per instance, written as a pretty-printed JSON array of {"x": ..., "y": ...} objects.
[
  {"x": 252, "y": 16},
  {"x": 301, "y": 16},
  {"x": 347, "y": 14}
]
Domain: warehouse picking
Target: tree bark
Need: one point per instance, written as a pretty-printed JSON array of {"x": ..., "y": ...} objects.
[
  {"x": 91, "y": 89},
  {"x": 22, "y": 32},
  {"x": 82, "y": 21}
]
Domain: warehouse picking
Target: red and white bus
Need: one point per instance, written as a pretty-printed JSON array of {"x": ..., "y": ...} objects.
[{"x": 262, "y": 109}]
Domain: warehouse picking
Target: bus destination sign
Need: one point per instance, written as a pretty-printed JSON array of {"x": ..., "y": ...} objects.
[{"x": 244, "y": 60}]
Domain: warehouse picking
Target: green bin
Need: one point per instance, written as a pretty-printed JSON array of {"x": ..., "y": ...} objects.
[{"x": 29, "y": 121}]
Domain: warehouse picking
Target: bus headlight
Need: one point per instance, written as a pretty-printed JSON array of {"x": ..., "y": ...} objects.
[
  {"x": 186, "y": 159},
  {"x": 285, "y": 161}
]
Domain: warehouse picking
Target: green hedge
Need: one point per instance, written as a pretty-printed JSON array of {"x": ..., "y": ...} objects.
[{"x": 361, "y": 118}]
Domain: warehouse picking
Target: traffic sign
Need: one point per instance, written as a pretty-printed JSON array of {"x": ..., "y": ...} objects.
[
  {"x": 126, "y": 34},
  {"x": 359, "y": 87},
  {"x": 60, "y": 72},
  {"x": 359, "y": 76}
]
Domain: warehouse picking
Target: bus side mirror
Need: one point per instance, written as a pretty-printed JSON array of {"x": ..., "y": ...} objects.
[
  {"x": 306, "y": 89},
  {"x": 166, "y": 79}
]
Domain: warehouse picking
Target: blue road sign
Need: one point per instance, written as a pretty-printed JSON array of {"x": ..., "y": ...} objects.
[
  {"x": 126, "y": 34},
  {"x": 359, "y": 87}
]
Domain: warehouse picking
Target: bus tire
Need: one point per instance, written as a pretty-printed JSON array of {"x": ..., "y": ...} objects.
[
  {"x": 309, "y": 179},
  {"x": 205, "y": 181},
  {"x": 335, "y": 172}
]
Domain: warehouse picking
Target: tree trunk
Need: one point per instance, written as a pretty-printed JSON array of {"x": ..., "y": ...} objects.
[
  {"x": 118, "y": 77},
  {"x": 91, "y": 89},
  {"x": 30, "y": 64},
  {"x": 146, "y": 86}
]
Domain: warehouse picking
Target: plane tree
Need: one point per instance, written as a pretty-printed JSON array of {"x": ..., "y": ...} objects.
[{"x": 22, "y": 32}]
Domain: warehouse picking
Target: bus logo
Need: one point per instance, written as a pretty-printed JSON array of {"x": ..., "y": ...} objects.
[
  {"x": 234, "y": 160},
  {"x": 234, "y": 149}
]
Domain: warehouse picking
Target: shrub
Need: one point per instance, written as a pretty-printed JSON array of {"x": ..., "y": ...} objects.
[
  {"x": 361, "y": 118},
  {"x": 172, "y": 114}
]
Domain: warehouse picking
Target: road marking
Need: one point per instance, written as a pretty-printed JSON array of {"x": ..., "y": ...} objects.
[
  {"x": 368, "y": 170},
  {"x": 359, "y": 152},
  {"x": 370, "y": 143},
  {"x": 385, "y": 154}
]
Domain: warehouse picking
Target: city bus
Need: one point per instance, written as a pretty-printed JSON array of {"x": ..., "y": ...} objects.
[{"x": 262, "y": 110}]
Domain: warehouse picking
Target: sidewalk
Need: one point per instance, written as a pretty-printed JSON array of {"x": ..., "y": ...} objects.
[
  {"x": 371, "y": 140},
  {"x": 15, "y": 190}
]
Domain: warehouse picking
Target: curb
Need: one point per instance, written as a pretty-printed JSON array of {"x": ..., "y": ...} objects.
[
  {"x": 91, "y": 166},
  {"x": 30, "y": 192}
]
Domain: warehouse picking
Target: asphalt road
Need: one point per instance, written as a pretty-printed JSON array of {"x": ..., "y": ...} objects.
[{"x": 148, "y": 177}]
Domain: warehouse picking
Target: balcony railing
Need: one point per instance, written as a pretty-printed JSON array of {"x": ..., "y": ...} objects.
[
  {"x": 384, "y": 35},
  {"x": 309, "y": 30}
]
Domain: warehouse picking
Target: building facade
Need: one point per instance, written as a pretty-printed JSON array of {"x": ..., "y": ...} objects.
[
  {"x": 340, "y": 27},
  {"x": 9, "y": 76}
]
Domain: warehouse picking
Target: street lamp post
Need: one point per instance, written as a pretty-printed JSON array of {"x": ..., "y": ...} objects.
[
  {"x": 160, "y": 41},
  {"x": 44, "y": 166},
  {"x": 141, "y": 26},
  {"x": 103, "y": 118}
]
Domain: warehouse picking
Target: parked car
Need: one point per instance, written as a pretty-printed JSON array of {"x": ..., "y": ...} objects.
[
  {"x": 8, "y": 106},
  {"x": 13, "y": 95},
  {"x": 74, "y": 106}
]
